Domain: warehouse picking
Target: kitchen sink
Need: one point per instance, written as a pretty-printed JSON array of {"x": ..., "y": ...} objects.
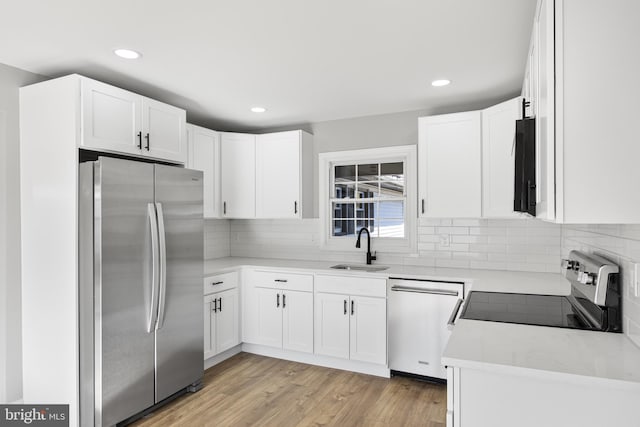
[{"x": 369, "y": 268}]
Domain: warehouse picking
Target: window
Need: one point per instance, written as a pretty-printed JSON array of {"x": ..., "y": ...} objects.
[
  {"x": 373, "y": 188},
  {"x": 368, "y": 195}
]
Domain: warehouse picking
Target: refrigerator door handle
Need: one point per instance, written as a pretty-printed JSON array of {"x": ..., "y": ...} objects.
[
  {"x": 163, "y": 267},
  {"x": 153, "y": 225}
]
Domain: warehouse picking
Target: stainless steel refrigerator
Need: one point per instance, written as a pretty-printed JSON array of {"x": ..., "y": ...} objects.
[{"x": 140, "y": 297}]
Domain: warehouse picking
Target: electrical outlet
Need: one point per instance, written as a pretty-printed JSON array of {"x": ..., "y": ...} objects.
[
  {"x": 636, "y": 279},
  {"x": 445, "y": 240}
]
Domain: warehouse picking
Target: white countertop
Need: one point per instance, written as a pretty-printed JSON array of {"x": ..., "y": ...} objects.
[
  {"x": 537, "y": 350},
  {"x": 574, "y": 355},
  {"x": 487, "y": 280}
]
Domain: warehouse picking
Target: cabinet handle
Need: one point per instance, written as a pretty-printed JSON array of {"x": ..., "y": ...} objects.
[
  {"x": 217, "y": 283},
  {"x": 284, "y": 301},
  {"x": 224, "y": 208},
  {"x": 345, "y": 307},
  {"x": 220, "y": 299},
  {"x": 148, "y": 138},
  {"x": 277, "y": 300},
  {"x": 352, "y": 311},
  {"x": 215, "y": 305},
  {"x": 140, "y": 140},
  {"x": 280, "y": 280},
  {"x": 295, "y": 207},
  {"x": 422, "y": 205}
]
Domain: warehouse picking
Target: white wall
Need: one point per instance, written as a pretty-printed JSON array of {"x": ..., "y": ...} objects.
[
  {"x": 620, "y": 244},
  {"x": 10, "y": 316}
]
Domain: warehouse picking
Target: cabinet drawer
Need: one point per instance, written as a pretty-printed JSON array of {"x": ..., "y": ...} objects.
[
  {"x": 282, "y": 280},
  {"x": 220, "y": 282},
  {"x": 365, "y": 286}
]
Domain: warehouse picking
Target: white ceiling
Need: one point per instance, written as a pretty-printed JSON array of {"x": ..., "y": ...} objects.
[{"x": 306, "y": 61}]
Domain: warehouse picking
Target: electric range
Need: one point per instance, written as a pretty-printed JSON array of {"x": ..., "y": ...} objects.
[{"x": 594, "y": 302}]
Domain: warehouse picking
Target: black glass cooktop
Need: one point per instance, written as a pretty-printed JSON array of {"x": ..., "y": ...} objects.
[{"x": 528, "y": 309}]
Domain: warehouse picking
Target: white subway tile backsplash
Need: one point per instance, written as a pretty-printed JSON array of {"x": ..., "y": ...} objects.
[{"x": 472, "y": 243}]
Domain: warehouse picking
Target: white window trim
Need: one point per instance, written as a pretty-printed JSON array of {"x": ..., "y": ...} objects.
[{"x": 406, "y": 153}]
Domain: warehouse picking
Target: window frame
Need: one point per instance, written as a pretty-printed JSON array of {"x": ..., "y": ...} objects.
[{"x": 327, "y": 161}]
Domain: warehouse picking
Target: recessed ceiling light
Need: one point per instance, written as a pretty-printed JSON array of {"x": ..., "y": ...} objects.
[
  {"x": 258, "y": 109},
  {"x": 127, "y": 53},
  {"x": 441, "y": 82}
]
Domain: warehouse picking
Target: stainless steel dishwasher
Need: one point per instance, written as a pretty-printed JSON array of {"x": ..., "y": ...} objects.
[{"x": 419, "y": 313}]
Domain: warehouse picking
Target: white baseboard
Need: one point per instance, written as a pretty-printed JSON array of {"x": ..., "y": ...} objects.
[
  {"x": 314, "y": 359},
  {"x": 212, "y": 361}
]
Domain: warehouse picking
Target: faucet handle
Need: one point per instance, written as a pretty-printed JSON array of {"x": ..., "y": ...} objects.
[{"x": 373, "y": 257}]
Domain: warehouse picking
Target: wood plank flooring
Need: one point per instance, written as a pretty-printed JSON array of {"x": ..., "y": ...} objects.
[{"x": 251, "y": 390}]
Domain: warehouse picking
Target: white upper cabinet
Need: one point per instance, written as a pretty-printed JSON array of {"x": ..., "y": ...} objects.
[
  {"x": 283, "y": 175},
  {"x": 119, "y": 121},
  {"x": 238, "y": 175},
  {"x": 203, "y": 147},
  {"x": 164, "y": 133},
  {"x": 111, "y": 118},
  {"x": 498, "y": 163},
  {"x": 266, "y": 176},
  {"x": 585, "y": 90},
  {"x": 542, "y": 95},
  {"x": 449, "y": 155}
]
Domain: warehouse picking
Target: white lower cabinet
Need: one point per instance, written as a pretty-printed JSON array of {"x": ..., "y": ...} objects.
[
  {"x": 354, "y": 325},
  {"x": 488, "y": 396},
  {"x": 278, "y": 310},
  {"x": 221, "y": 318}
]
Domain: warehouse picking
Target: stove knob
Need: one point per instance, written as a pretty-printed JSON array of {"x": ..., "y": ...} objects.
[
  {"x": 586, "y": 279},
  {"x": 567, "y": 264}
]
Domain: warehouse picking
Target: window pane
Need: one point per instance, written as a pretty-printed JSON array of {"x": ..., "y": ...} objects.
[
  {"x": 392, "y": 188},
  {"x": 369, "y": 224},
  {"x": 368, "y": 172},
  {"x": 391, "y": 228},
  {"x": 365, "y": 210},
  {"x": 367, "y": 190},
  {"x": 343, "y": 210},
  {"x": 344, "y": 191},
  {"x": 388, "y": 170},
  {"x": 343, "y": 227},
  {"x": 391, "y": 209},
  {"x": 345, "y": 173}
]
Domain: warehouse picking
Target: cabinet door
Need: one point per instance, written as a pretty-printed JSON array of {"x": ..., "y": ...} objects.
[
  {"x": 238, "y": 175},
  {"x": 297, "y": 321},
  {"x": 209, "y": 326},
  {"x": 331, "y": 325},
  {"x": 269, "y": 317},
  {"x": 544, "y": 110},
  {"x": 449, "y": 165},
  {"x": 164, "y": 133},
  {"x": 368, "y": 329},
  {"x": 278, "y": 175},
  {"x": 111, "y": 118},
  {"x": 204, "y": 155},
  {"x": 498, "y": 162},
  {"x": 227, "y": 332}
]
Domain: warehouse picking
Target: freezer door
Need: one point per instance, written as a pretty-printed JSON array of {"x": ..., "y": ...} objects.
[
  {"x": 124, "y": 349},
  {"x": 179, "y": 334}
]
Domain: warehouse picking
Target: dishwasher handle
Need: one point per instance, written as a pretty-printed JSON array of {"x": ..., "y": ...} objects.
[
  {"x": 397, "y": 288},
  {"x": 454, "y": 314}
]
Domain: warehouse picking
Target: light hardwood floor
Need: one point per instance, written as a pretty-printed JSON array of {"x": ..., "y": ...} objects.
[{"x": 251, "y": 390}]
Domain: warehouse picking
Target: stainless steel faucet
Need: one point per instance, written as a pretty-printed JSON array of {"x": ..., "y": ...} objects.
[{"x": 369, "y": 256}]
